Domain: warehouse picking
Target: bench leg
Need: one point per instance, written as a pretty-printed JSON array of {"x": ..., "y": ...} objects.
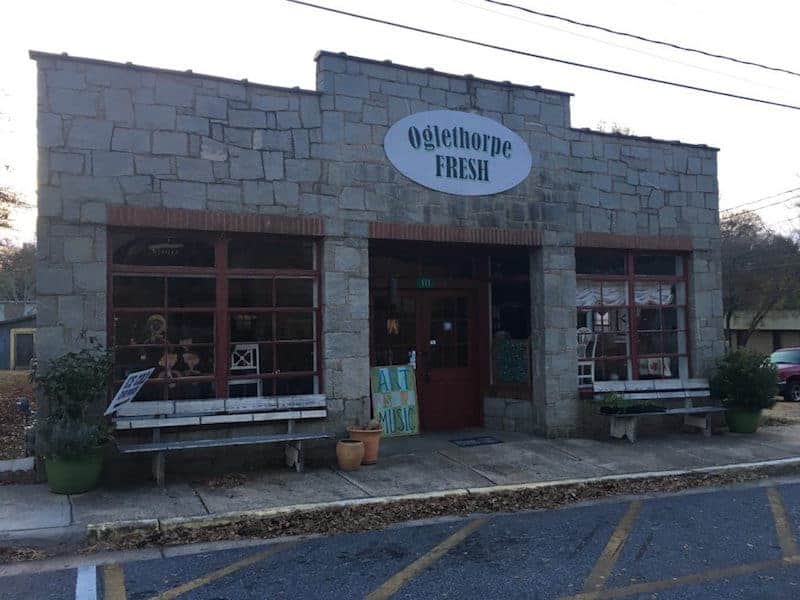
[
  {"x": 624, "y": 427},
  {"x": 159, "y": 464},
  {"x": 295, "y": 456},
  {"x": 700, "y": 421},
  {"x": 631, "y": 428}
]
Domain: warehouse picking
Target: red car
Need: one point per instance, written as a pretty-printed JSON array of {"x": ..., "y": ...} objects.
[{"x": 788, "y": 362}]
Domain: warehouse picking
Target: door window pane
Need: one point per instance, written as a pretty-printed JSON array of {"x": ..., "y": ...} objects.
[
  {"x": 295, "y": 326},
  {"x": 295, "y": 357},
  {"x": 449, "y": 331},
  {"x": 511, "y": 329},
  {"x": 393, "y": 329},
  {"x": 270, "y": 252},
  {"x": 292, "y": 386},
  {"x": 200, "y": 390},
  {"x": 190, "y": 328},
  {"x": 657, "y": 264},
  {"x": 251, "y": 359},
  {"x": 294, "y": 292},
  {"x": 191, "y": 292},
  {"x": 138, "y": 292},
  {"x": 140, "y": 328},
  {"x": 600, "y": 262},
  {"x": 249, "y": 292},
  {"x": 194, "y": 361},
  {"x": 252, "y": 327}
]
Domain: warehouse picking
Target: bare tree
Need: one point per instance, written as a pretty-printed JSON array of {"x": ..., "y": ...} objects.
[
  {"x": 9, "y": 201},
  {"x": 759, "y": 270},
  {"x": 17, "y": 278},
  {"x": 614, "y": 128}
]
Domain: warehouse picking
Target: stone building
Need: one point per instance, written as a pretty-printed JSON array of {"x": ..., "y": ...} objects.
[{"x": 194, "y": 217}]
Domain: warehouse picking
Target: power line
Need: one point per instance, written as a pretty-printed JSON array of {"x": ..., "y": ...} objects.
[
  {"x": 543, "y": 57},
  {"x": 622, "y": 46},
  {"x": 754, "y": 210},
  {"x": 759, "y": 200},
  {"x": 642, "y": 38}
]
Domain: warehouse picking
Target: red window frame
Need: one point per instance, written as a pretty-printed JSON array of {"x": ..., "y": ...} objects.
[
  {"x": 222, "y": 274},
  {"x": 630, "y": 279}
]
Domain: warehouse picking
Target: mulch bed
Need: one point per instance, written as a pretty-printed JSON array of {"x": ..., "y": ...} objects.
[{"x": 13, "y": 385}]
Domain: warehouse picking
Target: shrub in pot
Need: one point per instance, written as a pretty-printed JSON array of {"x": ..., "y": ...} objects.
[
  {"x": 746, "y": 383},
  {"x": 71, "y": 435},
  {"x": 371, "y": 436}
]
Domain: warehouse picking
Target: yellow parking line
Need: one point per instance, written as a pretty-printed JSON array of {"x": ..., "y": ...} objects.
[
  {"x": 783, "y": 525},
  {"x": 608, "y": 558},
  {"x": 695, "y": 578},
  {"x": 220, "y": 573},
  {"x": 399, "y": 579},
  {"x": 114, "y": 583}
]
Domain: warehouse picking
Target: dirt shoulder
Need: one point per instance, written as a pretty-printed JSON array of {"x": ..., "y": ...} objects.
[
  {"x": 783, "y": 413},
  {"x": 13, "y": 385}
]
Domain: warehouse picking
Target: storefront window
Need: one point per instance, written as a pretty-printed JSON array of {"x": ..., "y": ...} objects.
[
  {"x": 632, "y": 316},
  {"x": 511, "y": 320},
  {"x": 233, "y": 316}
]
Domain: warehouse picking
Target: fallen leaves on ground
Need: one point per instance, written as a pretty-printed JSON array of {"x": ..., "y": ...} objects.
[
  {"x": 229, "y": 480},
  {"x": 781, "y": 414},
  {"x": 357, "y": 518},
  {"x": 13, "y": 385},
  {"x": 8, "y": 555}
]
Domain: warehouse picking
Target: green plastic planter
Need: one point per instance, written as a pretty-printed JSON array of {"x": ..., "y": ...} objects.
[
  {"x": 75, "y": 474},
  {"x": 743, "y": 421}
]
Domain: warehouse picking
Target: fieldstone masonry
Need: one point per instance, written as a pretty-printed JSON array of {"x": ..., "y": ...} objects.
[{"x": 120, "y": 134}]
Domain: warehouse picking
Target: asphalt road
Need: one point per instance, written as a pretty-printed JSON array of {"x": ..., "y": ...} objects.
[{"x": 737, "y": 542}]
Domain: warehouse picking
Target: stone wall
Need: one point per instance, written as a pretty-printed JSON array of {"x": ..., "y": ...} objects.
[{"x": 112, "y": 134}]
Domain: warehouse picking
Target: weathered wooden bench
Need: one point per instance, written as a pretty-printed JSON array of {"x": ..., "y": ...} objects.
[
  {"x": 667, "y": 391},
  {"x": 158, "y": 416}
]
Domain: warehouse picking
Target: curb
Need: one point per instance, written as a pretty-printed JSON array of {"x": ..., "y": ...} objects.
[{"x": 96, "y": 532}]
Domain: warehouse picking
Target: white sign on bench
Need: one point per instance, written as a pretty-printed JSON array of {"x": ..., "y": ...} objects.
[{"x": 130, "y": 387}]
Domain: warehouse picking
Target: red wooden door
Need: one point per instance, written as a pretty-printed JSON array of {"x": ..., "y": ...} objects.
[{"x": 448, "y": 385}]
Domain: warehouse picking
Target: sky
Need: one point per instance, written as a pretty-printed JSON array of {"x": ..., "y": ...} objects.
[{"x": 272, "y": 41}]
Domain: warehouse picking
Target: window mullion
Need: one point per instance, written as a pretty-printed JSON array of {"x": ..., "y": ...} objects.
[
  {"x": 222, "y": 344},
  {"x": 633, "y": 321}
]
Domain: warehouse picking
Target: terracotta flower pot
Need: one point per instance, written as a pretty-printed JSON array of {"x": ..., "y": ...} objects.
[
  {"x": 371, "y": 439},
  {"x": 349, "y": 454}
]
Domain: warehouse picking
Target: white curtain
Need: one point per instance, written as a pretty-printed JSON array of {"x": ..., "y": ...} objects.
[
  {"x": 616, "y": 294},
  {"x": 652, "y": 294}
]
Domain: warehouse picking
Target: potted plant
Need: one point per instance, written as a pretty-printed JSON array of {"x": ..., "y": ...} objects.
[
  {"x": 615, "y": 404},
  {"x": 71, "y": 437},
  {"x": 746, "y": 383},
  {"x": 371, "y": 436}
]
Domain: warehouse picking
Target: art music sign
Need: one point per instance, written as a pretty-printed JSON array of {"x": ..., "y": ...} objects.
[{"x": 457, "y": 152}]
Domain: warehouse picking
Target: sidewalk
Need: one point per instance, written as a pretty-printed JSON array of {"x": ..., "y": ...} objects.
[{"x": 428, "y": 463}]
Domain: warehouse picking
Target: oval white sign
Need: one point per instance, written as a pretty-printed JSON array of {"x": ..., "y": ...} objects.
[{"x": 457, "y": 152}]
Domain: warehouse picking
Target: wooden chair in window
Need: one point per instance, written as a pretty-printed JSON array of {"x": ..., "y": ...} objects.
[
  {"x": 245, "y": 361},
  {"x": 586, "y": 339}
]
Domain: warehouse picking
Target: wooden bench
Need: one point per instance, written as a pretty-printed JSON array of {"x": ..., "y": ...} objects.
[
  {"x": 236, "y": 411},
  {"x": 666, "y": 391}
]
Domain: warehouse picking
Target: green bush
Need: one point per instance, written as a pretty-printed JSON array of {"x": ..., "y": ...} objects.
[
  {"x": 745, "y": 380},
  {"x": 71, "y": 384},
  {"x": 66, "y": 438}
]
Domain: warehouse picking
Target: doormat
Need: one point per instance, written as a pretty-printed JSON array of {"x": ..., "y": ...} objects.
[{"x": 481, "y": 440}]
